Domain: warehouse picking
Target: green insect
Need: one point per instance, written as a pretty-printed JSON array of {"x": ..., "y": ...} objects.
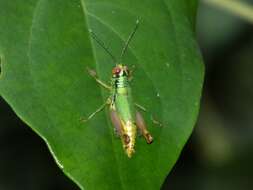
[{"x": 125, "y": 118}]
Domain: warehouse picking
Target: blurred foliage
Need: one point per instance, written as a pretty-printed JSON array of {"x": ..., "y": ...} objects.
[
  {"x": 219, "y": 153},
  {"x": 240, "y": 8}
]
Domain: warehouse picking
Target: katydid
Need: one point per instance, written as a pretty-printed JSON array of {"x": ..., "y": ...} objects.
[{"x": 125, "y": 118}]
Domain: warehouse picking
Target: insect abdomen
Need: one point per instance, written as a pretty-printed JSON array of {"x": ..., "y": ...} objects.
[{"x": 125, "y": 110}]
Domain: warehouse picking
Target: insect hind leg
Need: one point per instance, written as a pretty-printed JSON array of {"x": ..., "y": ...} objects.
[
  {"x": 142, "y": 127},
  {"x": 151, "y": 116},
  {"x": 116, "y": 123}
]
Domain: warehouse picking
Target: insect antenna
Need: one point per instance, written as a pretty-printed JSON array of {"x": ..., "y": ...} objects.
[
  {"x": 129, "y": 40},
  {"x": 101, "y": 43}
]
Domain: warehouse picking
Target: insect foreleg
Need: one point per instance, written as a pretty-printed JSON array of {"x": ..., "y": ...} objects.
[
  {"x": 97, "y": 111},
  {"x": 142, "y": 127},
  {"x": 94, "y": 75},
  {"x": 152, "y": 117}
]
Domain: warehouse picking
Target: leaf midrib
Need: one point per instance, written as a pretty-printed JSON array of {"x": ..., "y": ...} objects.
[{"x": 94, "y": 56}]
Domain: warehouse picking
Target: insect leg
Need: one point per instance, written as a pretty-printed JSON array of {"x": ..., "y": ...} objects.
[
  {"x": 152, "y": 117},
  {"x": 142, "y": 127},
  {"x": 94, "y": 75},
  {"x": 97, "y": 111},
  {"x": 131, "y": 73},
  {"x": 116, "y": 122}
]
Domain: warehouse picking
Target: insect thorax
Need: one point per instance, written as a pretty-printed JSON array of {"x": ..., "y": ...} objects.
[{"x": 120, "y": 82}]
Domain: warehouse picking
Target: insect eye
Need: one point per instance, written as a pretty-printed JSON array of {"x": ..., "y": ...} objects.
[{"x": 116, "y": 71}]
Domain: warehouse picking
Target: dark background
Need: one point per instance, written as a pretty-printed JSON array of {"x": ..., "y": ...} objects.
[{"x": 218, "y": 154}]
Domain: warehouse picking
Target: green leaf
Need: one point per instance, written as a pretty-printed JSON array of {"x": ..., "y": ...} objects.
[{"x": 45, "y": 47}]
